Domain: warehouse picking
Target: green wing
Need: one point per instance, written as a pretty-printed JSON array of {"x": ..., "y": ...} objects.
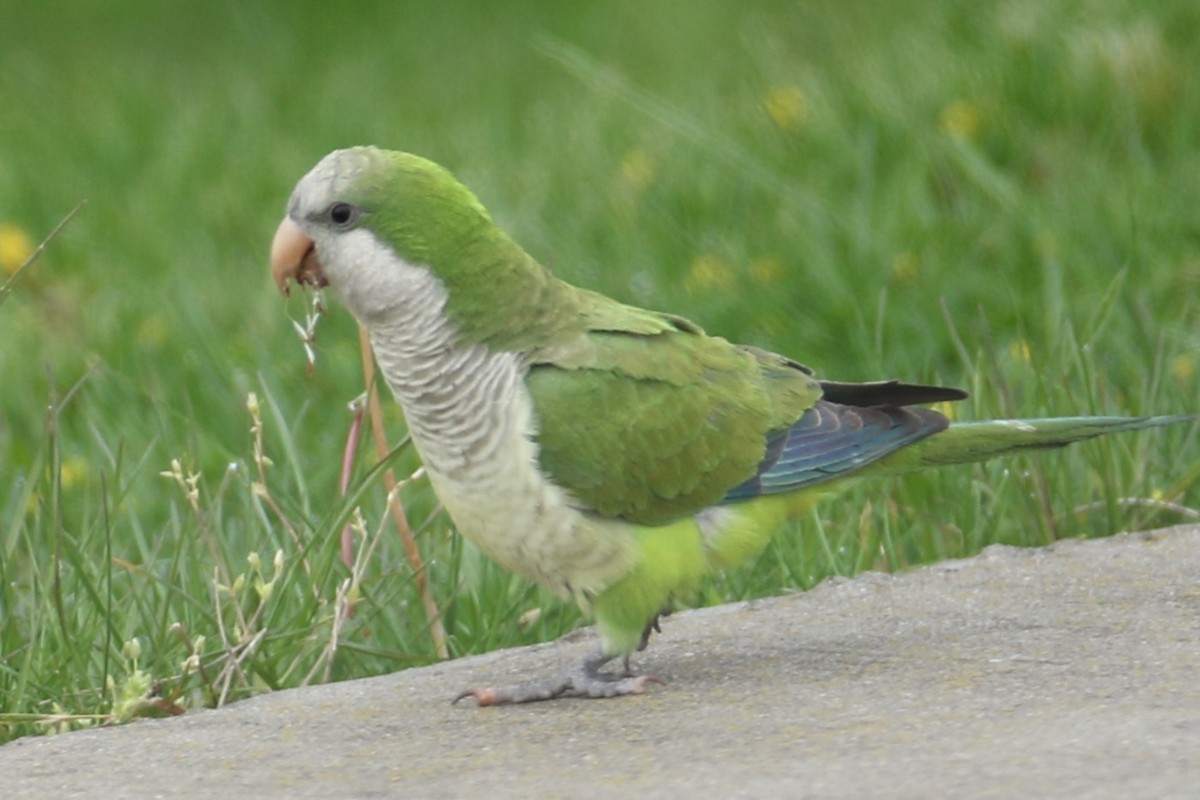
[{"x": 642, "y": 416}]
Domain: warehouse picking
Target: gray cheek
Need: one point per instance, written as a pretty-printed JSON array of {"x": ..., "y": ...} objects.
[{"x": 378, "y": 287}]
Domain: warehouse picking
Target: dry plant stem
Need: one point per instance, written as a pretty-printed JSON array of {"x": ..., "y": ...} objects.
[
  {"x": 335, "y": 632},
  {"x": 436, "y": 630},
  {"x": 348, "y": 456},
  {"x": 226, "y": 645},
  {"x": 287, "y": 525},
  {"x": 348, "y": 588},
  {"x": 234, "y": 667},
  {"x": 206, "y": 682},
  {"x": 222, "y": 575},
  {"x": 236, "y": 653},
  {"x": 261, "y": 461}
]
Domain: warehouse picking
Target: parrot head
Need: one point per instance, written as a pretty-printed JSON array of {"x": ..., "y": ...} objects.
[
  {"x": 393, "y": 234},
  {"x": 370, "y": 222}
]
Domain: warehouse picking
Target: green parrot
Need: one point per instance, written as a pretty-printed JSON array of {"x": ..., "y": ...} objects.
[{"x": 614, "y": 455}]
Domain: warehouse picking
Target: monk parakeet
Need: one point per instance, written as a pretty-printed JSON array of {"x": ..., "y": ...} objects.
[{"x": 613, "y": 454}]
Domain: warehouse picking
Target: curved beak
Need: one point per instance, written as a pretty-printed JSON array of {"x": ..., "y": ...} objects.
[{"x": 293, "y": 258}]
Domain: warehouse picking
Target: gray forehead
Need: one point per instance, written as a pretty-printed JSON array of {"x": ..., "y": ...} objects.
[{"x": 331, "y": 177}]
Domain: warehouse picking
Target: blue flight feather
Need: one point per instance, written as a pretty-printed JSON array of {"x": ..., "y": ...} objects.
[{"x": 830, "y": 440}]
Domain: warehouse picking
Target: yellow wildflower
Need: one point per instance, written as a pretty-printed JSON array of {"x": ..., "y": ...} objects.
[
  {"x": 905, "y": 267},
  {"x": 787, "y": 106},
  {"x": 15, "y": 247},
  {"x": 1183, "y": 367},
  {"x": 152, "y": 331},
  {"x": 709, "y": 272},
  {"x": 960, "y": 120},
  {"x": 767, "y": 269},
  {"x": 637, "y": 170},
  {"x": 73, "y": 472}
]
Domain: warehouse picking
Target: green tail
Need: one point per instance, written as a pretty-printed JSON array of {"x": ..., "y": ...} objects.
[{"x": 967, "y": 442}]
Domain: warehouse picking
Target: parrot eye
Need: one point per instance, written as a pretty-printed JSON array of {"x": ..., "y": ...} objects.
[{"x": 342, "y": 214}]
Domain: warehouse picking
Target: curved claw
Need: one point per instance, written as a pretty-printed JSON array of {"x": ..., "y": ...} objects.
[{"x": 483, "y": 697}]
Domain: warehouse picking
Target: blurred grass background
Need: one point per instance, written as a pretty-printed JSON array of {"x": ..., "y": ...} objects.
[{"x": 997, "y": 195}]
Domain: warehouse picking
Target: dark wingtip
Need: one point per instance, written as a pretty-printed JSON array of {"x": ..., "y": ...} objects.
[{"x": 888, "y": 393}]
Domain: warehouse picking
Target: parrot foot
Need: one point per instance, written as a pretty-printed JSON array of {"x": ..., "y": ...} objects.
[{"x": 586, "y": 681}]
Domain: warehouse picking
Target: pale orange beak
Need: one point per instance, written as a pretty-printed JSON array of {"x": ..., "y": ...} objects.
[{"x": 293, "y": 258}]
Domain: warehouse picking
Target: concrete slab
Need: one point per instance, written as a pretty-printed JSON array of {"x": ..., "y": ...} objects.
[{"x": 1068, "y": 671}]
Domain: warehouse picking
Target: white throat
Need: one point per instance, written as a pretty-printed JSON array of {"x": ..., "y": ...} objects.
[{"x": 471, "y": 419}]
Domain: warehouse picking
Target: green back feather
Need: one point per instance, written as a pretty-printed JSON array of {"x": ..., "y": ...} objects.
[{"x": 651, "y": 425}]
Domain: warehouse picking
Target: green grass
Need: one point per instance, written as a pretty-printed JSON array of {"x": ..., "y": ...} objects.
[{"x": 1000, "y": 196}]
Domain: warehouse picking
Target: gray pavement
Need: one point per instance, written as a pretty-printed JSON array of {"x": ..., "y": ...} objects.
[{"x": 1070, "y": 671}]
